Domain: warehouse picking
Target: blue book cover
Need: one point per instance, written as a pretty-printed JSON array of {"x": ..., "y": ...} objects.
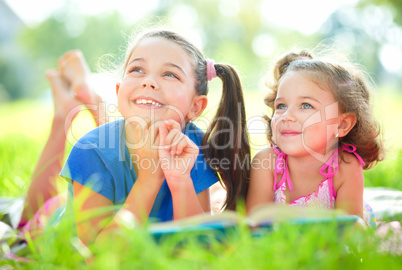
[{"x": 259, "y": 221}]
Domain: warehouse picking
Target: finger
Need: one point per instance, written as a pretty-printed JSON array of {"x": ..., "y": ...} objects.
[
  {"x": 163, "y": 132},
  {"x": 188, "y": 146},
  {"x": 154, "y": 134},
  {"x": 183, "y": 144},
  {"x": 172, "y": 124},
  {"x": 191, "y": 148},
  {"x": 173, "y": 138}
]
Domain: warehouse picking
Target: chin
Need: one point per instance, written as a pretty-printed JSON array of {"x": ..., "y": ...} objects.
[{"x": 291, "y": 149}]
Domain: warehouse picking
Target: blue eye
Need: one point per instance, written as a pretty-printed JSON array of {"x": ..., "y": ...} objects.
[
  {"x": 306, "y": 106},
  {"x": 281, "y": 107},
  {"x": 136, "y": 69},
  {"x": 169, "y": 74}
]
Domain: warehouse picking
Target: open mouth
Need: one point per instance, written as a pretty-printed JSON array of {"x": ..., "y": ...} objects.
[{"x": 148, "y": 102}]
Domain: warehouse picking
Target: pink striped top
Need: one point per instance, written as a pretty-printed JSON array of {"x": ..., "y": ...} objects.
[{"x": 325, "y": 195}]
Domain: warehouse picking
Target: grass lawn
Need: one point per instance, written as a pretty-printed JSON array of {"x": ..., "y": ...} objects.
[{"x": 24, "y": 129}]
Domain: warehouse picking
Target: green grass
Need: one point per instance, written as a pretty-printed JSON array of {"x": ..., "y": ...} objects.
[
  {"x": 18, "y": 155},
  {"x": 385, "y": 174},
  {"x": 25, "y": 126},
  {"x": 285, "y": 247}
]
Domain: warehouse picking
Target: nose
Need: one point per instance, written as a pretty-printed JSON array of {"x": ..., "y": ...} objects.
[
  {"x": 289, "y": 116},
  {"x": 150, "y": 82}
]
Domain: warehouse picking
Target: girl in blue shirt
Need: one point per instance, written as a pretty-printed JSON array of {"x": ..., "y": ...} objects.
[{"x": 155, "y": 163}]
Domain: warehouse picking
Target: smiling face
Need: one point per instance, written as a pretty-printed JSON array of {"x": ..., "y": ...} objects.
[
  {"x": 306, "y": 116},
  {"x": 159, "y": 83}
]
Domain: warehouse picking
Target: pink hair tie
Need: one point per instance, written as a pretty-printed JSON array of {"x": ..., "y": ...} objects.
[
  {"x": 304, "y": 58},
  {"x": 211, "y": 72}
]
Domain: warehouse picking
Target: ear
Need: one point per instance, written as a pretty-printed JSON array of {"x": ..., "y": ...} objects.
[
  {"x": 346, "y": 122},
  {"x": 198, "y": 106},
  {"x": 117, "y": 88}
]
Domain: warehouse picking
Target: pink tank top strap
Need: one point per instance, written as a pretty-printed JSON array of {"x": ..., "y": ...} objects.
[
  {"x": 352, "y": 149},
  {"x": 330, "y": 168},
  {"x": 281, "y": 168}
]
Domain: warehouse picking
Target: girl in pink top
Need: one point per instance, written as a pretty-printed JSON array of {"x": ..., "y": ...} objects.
[{"x": 322, "y": 137}]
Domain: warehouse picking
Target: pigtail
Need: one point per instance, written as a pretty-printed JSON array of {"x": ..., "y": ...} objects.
[
  {"x": 370, "y": 145},
  {"x": 226, "y": 139}
]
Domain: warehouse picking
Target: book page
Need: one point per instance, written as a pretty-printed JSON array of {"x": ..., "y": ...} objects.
[
  {"x": 226, "y": 218},
  {"x": 269, "y": 213}
]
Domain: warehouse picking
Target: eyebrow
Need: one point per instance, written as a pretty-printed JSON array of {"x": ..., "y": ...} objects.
[
  {"x": 175, "y": 66},
  {"x": 278, "y": 99},
  {"x": 314, "y": 99},
  {"x": 302, "y": 97},
  {"x": 170, "y": 64},
  {"x": 136, "y": 59}
]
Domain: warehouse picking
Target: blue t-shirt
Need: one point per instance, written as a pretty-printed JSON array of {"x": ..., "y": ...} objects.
[{"x": 100, "y": 161}]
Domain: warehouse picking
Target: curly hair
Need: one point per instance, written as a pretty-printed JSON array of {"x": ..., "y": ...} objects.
[{"x": 351, "y": 89}]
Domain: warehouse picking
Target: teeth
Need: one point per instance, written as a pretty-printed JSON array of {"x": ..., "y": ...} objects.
[{"x": 150, "y": 102}]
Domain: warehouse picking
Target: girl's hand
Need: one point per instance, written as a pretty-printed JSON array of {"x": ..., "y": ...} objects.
[
  {"x": 177, "y": 153},
  {"x": 143, "y": 140}
]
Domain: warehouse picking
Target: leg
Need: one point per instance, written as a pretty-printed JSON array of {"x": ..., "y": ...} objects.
[
  {"x": 75, "y": 70},
  {"x": 43, "y": 185},
  {"x": 37, "y": 224}
]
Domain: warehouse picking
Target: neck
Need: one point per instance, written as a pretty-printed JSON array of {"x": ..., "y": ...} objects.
[{"x": 308, "y": 165}]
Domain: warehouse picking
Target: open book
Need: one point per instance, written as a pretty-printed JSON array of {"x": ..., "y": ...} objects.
[
  {"x": 11, "y": 210},
  {"x": 260, "y": 220}
]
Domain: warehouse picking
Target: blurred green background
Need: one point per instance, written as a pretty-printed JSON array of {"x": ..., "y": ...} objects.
[
  {"x": 248, "y": 34},
  {"x": 244, "y": 33}
]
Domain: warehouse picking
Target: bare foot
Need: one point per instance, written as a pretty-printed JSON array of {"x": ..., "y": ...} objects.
[
  {"x": 75, "y": 70},
  {"x": 65, "y": 103}
]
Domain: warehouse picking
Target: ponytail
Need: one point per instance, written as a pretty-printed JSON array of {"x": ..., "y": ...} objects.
[{"x": 226, "y": 140}]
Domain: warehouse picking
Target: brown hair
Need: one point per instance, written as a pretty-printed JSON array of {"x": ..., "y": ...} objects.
[
  {"x": 351, "y": 89},
  {"x": 230, "y": 115}
]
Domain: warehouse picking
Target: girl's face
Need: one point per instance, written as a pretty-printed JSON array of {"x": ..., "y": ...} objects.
[
  {"x": 158, "y": 84},
  {"x": 305, "y": 120}
]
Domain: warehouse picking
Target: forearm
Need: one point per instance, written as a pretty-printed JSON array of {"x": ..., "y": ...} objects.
[
  {"x": 185, "y": 199},
  {"x": 139, "y": 202},
  {"x": 351, "y": 206}
]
